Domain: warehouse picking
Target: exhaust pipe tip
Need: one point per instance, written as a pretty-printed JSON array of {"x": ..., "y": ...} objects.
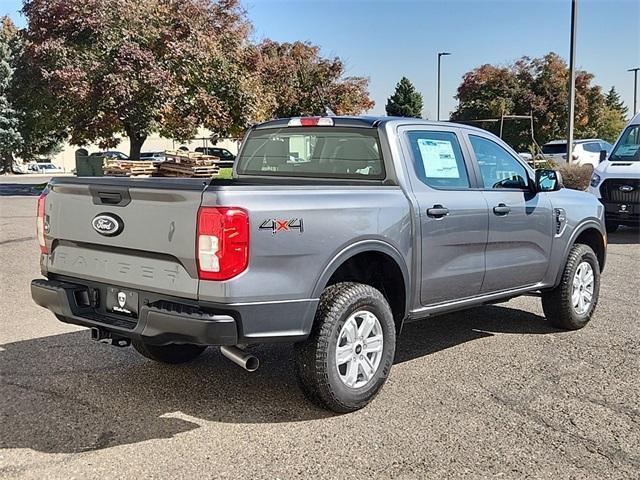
[
  {"x": 238, "y": 356},
  {"x": 252, "y": 364}
]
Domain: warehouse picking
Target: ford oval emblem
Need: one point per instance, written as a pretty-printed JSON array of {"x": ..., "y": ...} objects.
[
  {"x": 625, "y": 188},
  {"x": 107, "y": 224}
]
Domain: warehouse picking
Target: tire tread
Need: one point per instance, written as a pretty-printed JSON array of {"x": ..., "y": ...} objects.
[
  {"x": 311, "y": 355},
  {"x": 556, "y": 303}
]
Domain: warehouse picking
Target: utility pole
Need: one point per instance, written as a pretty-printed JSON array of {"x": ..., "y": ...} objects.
[
  {"x": 440, "y": 54},
  {"x": 572, "y": 78},
  {"x": 635, "y": 88}
]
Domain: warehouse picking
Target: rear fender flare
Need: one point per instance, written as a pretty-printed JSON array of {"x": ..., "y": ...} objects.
[{"x": 362, "y": 247}]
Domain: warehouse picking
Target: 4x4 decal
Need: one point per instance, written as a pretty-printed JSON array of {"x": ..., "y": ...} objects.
[{"x": 275, "y": 225}]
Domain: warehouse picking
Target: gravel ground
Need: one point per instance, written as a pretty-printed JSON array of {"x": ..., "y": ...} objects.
[{"x": 491, "y": 392}]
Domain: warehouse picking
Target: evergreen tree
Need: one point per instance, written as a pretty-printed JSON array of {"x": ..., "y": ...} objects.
[
  {"x": 614, "y": 102},
  {"x": 406, "y": 101},
  {"x": 28, "y": 127},
  {"x": 10, "y": 137}
]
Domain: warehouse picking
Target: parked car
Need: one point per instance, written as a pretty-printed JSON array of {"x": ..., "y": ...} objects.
[
  {"x": 153, "y": 156},
  {"x": 111, "y": 154},
  {"x": 221, "y": 153},
  {"x": 387, "y": 220},
  {"x": 20, "y": 167},
  {"x": 585, "y": 152},
  {"x": 44, "y": 167},
  {"x": 616, "y": 181}
]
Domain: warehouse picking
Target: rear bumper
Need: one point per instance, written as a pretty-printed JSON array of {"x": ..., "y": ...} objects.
[
  {"x": 164, "y": 319},
  {"x": 161, "y": 322}
]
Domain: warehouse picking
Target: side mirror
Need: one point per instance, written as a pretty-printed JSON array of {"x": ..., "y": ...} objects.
[
  {"x": 603, "y": 155},
  {"x": 548, "y": 180}
]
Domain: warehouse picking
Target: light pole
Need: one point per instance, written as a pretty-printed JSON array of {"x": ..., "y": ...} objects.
[
  {"x": 440, "y": 54},
  {"x": 635, "y": 88},
  {"x": 572, "y": 78}
]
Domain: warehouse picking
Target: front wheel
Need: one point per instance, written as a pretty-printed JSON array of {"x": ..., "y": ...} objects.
[
  {"x": 172, "y": 353},
  {"x": 570, "y": 305},
  {"x": 349, "y": 353}
]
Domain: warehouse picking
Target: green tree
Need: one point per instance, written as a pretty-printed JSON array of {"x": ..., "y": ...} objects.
[
  {"x": 614, "y": 102},
  {"x": 26, "y": 130},
  {"x": 610, "y": 124},
  {"x": 406, "y": 101},
  {"x": 299, "y": 81},
  {"x": 10, "y": 137},
  {"x": 135, "y": 67}
]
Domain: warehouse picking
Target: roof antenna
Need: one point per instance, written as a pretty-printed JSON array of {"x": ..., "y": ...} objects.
[{"x": 327, "y": 112}]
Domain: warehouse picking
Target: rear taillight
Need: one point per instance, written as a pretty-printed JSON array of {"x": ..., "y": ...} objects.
[
  {"x": 40, "y": 223},
  {"x": 222, "y": 244}
]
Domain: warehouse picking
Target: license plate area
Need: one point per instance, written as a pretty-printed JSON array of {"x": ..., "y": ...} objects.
[
  {"x": 122, "y": 301},
  {"x": 625, "y": 209}
]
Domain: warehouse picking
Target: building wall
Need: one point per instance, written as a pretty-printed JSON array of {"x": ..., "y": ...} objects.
[{"x": 67, "y": 159}]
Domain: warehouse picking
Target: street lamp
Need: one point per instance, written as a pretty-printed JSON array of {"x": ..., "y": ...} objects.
[
  {"x": 635, "y": 88},
  {"x": 440, "y": 54},
  {"x": 572, "y": 78}
]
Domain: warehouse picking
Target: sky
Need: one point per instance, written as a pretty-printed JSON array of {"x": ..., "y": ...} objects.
[{"x": 386, "y": 39}]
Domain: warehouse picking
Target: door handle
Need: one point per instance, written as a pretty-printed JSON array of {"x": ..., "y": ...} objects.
[
  {"x": 437, "y": 211},
  {"x": 501, "y": 209}
]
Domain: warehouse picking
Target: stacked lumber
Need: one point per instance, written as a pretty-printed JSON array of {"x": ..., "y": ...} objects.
[
  {"x": 180, "y": 156},
  {"x": 172, "y": 169},
  {"x": 127, "y": 168},
  {"x": 191, "y": 165}
]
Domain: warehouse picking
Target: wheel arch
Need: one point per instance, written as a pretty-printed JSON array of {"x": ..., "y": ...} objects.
[
  {"x": 589, "y": 233},
  {"x": 358, "y": 261}
]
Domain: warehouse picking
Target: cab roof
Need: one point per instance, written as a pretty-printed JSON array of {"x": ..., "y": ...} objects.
[{"x": 361, "y": 122}]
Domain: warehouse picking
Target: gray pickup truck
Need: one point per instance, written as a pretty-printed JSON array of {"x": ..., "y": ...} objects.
[{"x": 333, "y": 232}]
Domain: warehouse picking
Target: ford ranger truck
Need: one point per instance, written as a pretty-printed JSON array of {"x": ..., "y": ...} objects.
[{"x": 333, "y": 232}]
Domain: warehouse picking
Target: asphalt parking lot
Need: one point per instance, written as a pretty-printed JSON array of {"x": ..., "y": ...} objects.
[{"x": 491, "y": 392}]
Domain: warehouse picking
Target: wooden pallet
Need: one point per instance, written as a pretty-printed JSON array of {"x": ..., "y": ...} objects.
[
  {"x": 173, "y": 169},
  {"x": 124, "y": 168}
]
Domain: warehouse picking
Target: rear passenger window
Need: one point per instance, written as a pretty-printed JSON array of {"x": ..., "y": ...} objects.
[
  {"x": 592, "y": 147},
  {"x": 438, "y": 159}
]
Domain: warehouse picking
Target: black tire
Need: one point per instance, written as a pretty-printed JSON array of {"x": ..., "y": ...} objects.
[
  {"x": 611, "y": 227},
  {"x": 557, "y": 304},
  {"x": 172, "y": 353},
  {"x": 316, "y": 368}
]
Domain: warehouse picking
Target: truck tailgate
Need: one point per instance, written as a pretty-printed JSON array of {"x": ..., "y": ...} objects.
[{"x": 154, "y": 249}]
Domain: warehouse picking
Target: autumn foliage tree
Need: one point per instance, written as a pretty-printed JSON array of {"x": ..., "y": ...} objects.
[
  {"x": 135, "y": 67},
  {"x": 538, "y": 87},
  {"x": 299, "y": 81}
]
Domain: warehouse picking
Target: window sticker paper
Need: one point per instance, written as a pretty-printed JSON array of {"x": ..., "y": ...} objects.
[{"x": 438, "y": 158}]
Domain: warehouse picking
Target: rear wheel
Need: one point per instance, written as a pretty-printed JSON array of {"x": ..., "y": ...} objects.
[
  {"x": 172, "y": 353},
  {"x": 349, "y": 354},
  {"x": 570, "y": 305}
]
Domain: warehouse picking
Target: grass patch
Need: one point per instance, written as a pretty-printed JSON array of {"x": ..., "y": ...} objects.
[{"x": 224, "y": 174}]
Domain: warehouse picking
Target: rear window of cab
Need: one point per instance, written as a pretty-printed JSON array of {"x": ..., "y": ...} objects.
[{"x": 320, "y": 152}]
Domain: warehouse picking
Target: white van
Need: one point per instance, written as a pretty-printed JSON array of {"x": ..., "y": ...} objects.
[{"x": 616, "y": 180}]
